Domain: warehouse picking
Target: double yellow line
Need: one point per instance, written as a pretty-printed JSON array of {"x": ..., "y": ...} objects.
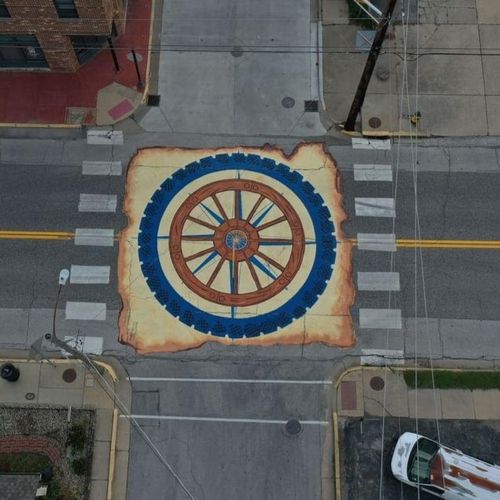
[
  {"x": 400, "y": 243},
  {"x": 36, "y": 235},
  {"x": 450, "y": 244}
]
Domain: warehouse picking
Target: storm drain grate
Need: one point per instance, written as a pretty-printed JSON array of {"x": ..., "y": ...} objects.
[
  {"x": 153, "y": 100},
  {"x": 310, "y": 106}
]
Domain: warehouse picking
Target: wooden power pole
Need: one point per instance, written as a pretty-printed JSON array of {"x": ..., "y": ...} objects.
[{"x": 378, "y": 40}]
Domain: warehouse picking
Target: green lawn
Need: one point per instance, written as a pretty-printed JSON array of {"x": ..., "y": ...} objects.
[{"x": 444, "y": 379}]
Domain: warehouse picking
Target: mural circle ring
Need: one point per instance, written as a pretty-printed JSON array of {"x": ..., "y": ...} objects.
[
  {"x": 304, "y": 298},
  {"x": 236, "y": 240}
]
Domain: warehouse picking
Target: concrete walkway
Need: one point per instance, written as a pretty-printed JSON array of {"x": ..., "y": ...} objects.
[
  {"x": 453, "y": 61},
  {"x": 366, "y": 391},
  {"x": 41, "y": 382}
]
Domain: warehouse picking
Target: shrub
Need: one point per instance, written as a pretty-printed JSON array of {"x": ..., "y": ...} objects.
[
  {"x": 77, "y": 436},
  {"x": 80, "y": 466}
]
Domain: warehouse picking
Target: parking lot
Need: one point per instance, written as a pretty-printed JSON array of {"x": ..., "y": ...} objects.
[{"x": 361, "y": 454}]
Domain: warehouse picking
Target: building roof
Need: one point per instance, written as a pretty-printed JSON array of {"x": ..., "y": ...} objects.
[{"x": 19, "y": 486}]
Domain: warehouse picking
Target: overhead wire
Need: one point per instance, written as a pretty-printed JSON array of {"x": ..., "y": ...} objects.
[{"x": 404, "y": 70}]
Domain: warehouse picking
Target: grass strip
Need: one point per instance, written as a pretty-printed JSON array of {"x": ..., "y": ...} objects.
[{"x": 444, "y": 379}]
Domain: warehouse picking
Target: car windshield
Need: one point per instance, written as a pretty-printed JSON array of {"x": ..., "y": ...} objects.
[{"x": 419, "y": 464}]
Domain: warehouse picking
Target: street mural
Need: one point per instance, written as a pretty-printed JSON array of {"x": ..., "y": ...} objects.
[{"x": 241, "y": 246}]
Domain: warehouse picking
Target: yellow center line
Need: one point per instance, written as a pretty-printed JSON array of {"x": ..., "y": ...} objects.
[
  {"x": 450, "y": 244},
  {"x": 401, "y": 242},
  {"x": 36, "y": 235}
]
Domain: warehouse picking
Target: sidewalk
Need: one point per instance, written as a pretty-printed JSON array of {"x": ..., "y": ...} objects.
[
  {"x": 456, "y": 76},
  {"x": 41, "y": 383},
  {"x": 95, "y": 94},
  {"x": 365, "y": 391}
]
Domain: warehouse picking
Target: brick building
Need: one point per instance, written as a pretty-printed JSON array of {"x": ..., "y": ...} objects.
[{"x": 57, "y": 35}]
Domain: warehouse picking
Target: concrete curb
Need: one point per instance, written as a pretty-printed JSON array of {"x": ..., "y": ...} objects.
[{"x": 115, "y": 486}]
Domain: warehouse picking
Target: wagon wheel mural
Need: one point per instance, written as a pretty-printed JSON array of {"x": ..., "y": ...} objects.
[
  {"x": 237, "y": 239},
  {"x": 232, "y": 246}
]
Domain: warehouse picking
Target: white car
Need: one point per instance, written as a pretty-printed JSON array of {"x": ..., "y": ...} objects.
[{"x": 443, "y": 471}]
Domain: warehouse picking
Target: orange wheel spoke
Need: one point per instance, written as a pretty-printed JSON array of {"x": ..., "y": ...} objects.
[
  {"x": 215, "y": 272},
  {"x": 236, "y": 266},
  {"x": 201, "y": 222},
  {"x": 277, "y": 265},
  {"x": 255, "y": 207},
  {"x": 254, "y": 274},
  {"x": 193, "y": 237},
  {"x": 199, "y": 254},
  {"x": 271, "y": 223},
  {"x": 219, "y": 206}
]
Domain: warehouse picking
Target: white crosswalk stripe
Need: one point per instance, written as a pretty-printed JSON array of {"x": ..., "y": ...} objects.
[
  {"x": 94, "y": 237},
  {"x": 105, "y": 137},
  {"x": 382, "y": 357},
  {"x": 377, "y": 242},
  {"x": 97, "y": 203},
  {"x": 369, "y": 172},
  {"x": 378, "y": 281},
  {"x": 376, "y": 144},
  {"x": 380, "y": 319},
  {"x": 102, "y": 168},
  {"x": 374, "y": 207},
  {"x": 89, "y": 275},
  {"x": 86, "y": 311}
]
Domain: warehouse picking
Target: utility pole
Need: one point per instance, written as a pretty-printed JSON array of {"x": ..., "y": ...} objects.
[{"x": 378, "y": 40}]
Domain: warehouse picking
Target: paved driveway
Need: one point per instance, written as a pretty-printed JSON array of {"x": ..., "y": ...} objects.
[{"x": 226, "y": 66}]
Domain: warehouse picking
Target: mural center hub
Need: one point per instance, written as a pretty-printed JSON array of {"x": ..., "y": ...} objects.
[{"x": 236, "y": 240}]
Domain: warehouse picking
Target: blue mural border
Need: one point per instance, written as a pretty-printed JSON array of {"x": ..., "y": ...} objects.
[{"x": 234, "y": 328}]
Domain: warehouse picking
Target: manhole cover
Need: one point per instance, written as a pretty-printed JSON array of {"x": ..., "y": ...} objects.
[
  {"x": 30, "y": 396},
  {"x": 293, "y": 427},
  {"x": 377, "y": 383},
  {"x": 288, "y": 102},
  {"x": 374, "y": 122},
  {"x": 237, "y": 52},
  {"x": 69, "y": 375}
]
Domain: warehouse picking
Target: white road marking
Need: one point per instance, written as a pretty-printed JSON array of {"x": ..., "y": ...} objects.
[
  {"x": 380, "y": 357},
  {"x": 377, "y": 242},
  {"x": 380, "y": 318},
  {"x": 105, "y": 137},
  {"x": 369, "y": 172},
  {"x": 89, "y": 275},
  {"x": 374, "y": 207},
  {"x": 94, "y": 237},
  {"x": 222, "y": 419},
  {"x": 86, "y": 311},
  {"x": 102, "y": 168},
  {"x": 97, "y": 203},
  {"x": 89, "y": 345},
  {"x": 381, "y": 281},
  {"x": 362, "y": 143},
  {"x": 230, "y": 380}
]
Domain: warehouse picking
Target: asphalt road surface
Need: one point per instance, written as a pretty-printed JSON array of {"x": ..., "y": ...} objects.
[{"x": 362, "y": 452}]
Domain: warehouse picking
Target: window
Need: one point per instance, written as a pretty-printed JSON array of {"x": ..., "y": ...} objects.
[
  {"x": 87, "y": 47},
  {"x": 66, "y": 8},
  {"x": 419, "y": 463},
  {"x": 3, "y": 9},
  {"x": 21, "y": 51}
]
